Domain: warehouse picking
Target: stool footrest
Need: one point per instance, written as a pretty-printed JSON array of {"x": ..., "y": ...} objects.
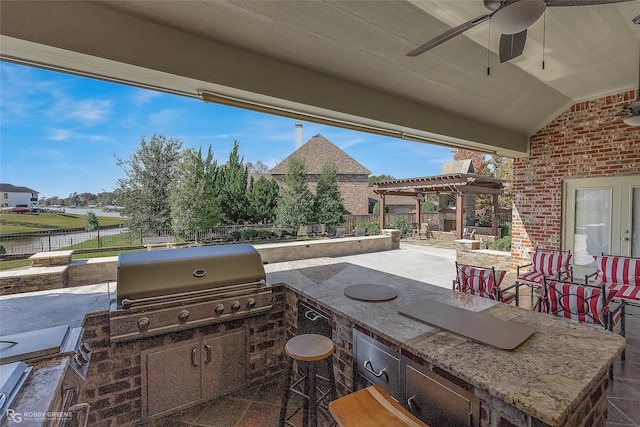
[{"x": 371, "y": 407}]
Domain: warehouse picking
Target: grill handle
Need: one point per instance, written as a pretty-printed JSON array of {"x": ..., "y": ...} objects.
[{"x": 128, "y": 302}]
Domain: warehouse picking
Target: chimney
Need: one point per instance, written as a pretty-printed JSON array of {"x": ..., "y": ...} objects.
[{"x": 298, "y": 135}]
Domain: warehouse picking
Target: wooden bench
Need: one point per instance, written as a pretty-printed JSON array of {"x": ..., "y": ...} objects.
[
  {"x": 620, "y": 275},
  {"x": 151, "y": 243},
  {"x": 371, "y": 407}
]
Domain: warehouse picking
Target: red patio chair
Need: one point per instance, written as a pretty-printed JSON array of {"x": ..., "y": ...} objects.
[
  {"x": 554, "y": 265},
  {"x": 484, "y": 282},
  {"x": 584, "y": 304}
]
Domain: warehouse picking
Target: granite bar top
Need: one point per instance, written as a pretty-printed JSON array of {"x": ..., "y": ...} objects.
[{"x": 546, "y": 376}]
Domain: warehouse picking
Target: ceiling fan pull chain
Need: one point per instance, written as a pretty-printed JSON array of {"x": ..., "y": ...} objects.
[
  {"x": 544, "y": 35},
  {"x": 489, "y": 51}
]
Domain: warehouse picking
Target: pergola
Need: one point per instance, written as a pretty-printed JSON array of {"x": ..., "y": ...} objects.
[{"x": 460, "y": 184}]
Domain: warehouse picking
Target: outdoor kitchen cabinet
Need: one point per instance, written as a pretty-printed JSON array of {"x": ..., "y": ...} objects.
[
  {"x": 192, "y": 372},
  {"x": 428, "y": 396}
]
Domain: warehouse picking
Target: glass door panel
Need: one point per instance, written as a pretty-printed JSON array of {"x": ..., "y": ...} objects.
[{"x": 592, "y": 224}]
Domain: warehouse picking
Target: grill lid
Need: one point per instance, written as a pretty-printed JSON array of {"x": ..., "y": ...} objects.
[{"x": 172, "y": 271}]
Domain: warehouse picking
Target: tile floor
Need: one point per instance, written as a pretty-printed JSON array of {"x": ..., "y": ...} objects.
[{"x": 259, "y": 406}]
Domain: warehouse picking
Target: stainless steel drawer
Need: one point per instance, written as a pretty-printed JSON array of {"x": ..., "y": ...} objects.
[
  {"x": 377, "y": 364},
  {"x": 437, "y": 401}
]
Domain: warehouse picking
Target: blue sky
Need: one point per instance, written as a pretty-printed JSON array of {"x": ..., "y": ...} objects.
[{"x": 60, "y": 133}]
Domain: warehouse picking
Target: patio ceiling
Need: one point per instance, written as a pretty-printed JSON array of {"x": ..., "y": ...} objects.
[{"x": 343, "y": 62}]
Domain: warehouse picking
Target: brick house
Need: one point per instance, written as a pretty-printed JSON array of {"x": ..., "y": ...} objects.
[
  {"x": 579, "y": 189},
  {"x": 352, "y": 176}
]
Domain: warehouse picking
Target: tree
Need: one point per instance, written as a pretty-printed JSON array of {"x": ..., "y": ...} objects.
[
  {"x": 194, "y": 197},
  {"x": 258, "y": 167},
  {"x": 479, "y": 160},
  {"x": 377, "y": 178},
  {"x": 233, "y": 197},
  {"x": 144, "y": 191},
  {"x": 296, "y": 203},
  {"x": 263, "y": 200},
  {"x": 328, "y": 207},
  {"x": 92, "y": 223}
]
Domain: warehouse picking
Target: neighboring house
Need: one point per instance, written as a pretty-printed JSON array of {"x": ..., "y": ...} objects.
[
  {"x": 13, "y": 196},
  {"x": 579, "y": 188},
  {"x": 352, "y": 176}
]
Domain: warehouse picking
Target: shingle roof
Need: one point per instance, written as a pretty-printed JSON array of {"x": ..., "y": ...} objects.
[
  {"x": 10, "y": 188},
  {"x": 315, "y": 153}
]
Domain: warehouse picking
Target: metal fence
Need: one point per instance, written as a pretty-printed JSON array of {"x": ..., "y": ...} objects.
[{"x": 122, "y": 237}]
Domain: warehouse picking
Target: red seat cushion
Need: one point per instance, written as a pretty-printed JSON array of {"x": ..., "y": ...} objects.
[
  {"x": 479, "y": 281},
  {"x": 578, "y": 302}
]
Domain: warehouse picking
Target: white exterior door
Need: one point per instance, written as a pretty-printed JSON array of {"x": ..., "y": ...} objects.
[{"x": 601, "y": 215}]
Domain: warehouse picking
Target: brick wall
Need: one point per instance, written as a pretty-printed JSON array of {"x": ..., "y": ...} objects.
[
  {"x": 114, "y": 381},
  {"x": 587, "y": 141}
]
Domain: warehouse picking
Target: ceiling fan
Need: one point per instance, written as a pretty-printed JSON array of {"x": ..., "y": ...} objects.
[{"x": 511, "y": 18}]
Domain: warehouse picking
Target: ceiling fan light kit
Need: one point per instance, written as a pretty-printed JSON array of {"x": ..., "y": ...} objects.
[{"x": 518, "y": 16}]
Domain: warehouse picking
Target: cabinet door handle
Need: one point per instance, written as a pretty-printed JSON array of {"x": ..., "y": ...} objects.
[
  {"x": 207, "y": 348},
  {"x": 194, "y": 352},
  {"x": 413, "y": 407},
  {"x": 369, "y": 368}
]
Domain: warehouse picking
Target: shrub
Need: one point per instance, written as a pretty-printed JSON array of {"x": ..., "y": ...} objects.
[
  {"x": 264, "y": 233},
  {"x": 401, "y": 224},
  {"x": 372, "y": 227},
  {"x": 503, "y": 244},
  {"x": 248, "y": 233},
  {"x": 3, "y": 251},
  {"x": 233, "y": 236}
]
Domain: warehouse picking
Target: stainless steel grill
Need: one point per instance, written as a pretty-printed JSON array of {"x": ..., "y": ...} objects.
[{"x": 168, "y": 290}]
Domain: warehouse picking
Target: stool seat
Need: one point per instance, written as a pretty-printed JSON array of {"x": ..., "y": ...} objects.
[
  {"x": 309, "y": 347},
  {"x": 371, "y": 407},
  {"x": 309, "y": 351}
]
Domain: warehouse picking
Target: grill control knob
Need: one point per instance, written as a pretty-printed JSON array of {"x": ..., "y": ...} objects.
[
  {"x": 219, "y": 309},
  {"x": 84, "y": 348},
  {"x": 143, "y": 324},
  {"x": 81, "y": 359},
  {"x": 235, "y": 306},
  {"x": 251, "y": 303},
  {"x": 183, "y": 316}
]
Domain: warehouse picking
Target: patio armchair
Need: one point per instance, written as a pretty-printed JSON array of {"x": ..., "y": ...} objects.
[
  {"x": 484, "y": 282},
  {"x": 554, "y": 265},
  {"x": 584, "y": 303},
  {"x": 620, "y": 274}
]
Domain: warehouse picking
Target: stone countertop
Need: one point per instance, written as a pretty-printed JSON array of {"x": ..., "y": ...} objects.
[
  {"x": 547, "y": 376},
  {"x": 40, "y": 394}
]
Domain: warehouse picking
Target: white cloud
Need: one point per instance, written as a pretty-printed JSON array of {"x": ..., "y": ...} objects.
[
  {"x": 164, "y": 117},
  {"x": 91, "y": 111},
  {"x": 143, "y": 96},
  {"x": 351, "y": 142},
  {"x": 60, "y": 134}
]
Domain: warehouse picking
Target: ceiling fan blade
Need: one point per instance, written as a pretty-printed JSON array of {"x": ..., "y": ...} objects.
[
  {"x": 447, "y": 35},
  {"x": 512, "y": 45},
  {"x": 563, "y": 3}
]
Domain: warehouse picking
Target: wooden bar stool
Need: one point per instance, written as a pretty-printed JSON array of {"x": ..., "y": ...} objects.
[
  {"x": 308, "y": 350},
  {"x": 371, "y": 407}
]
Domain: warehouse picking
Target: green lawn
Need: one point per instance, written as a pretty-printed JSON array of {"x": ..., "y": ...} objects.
[
  {"x": 19, "y": 263},
  {"x": 24, "y": 223}
]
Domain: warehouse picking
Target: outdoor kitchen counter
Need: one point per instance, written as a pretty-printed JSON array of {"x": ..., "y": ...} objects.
[
  {"x": 547, "y": 377},
  {"x": 39, "y": 400}
]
